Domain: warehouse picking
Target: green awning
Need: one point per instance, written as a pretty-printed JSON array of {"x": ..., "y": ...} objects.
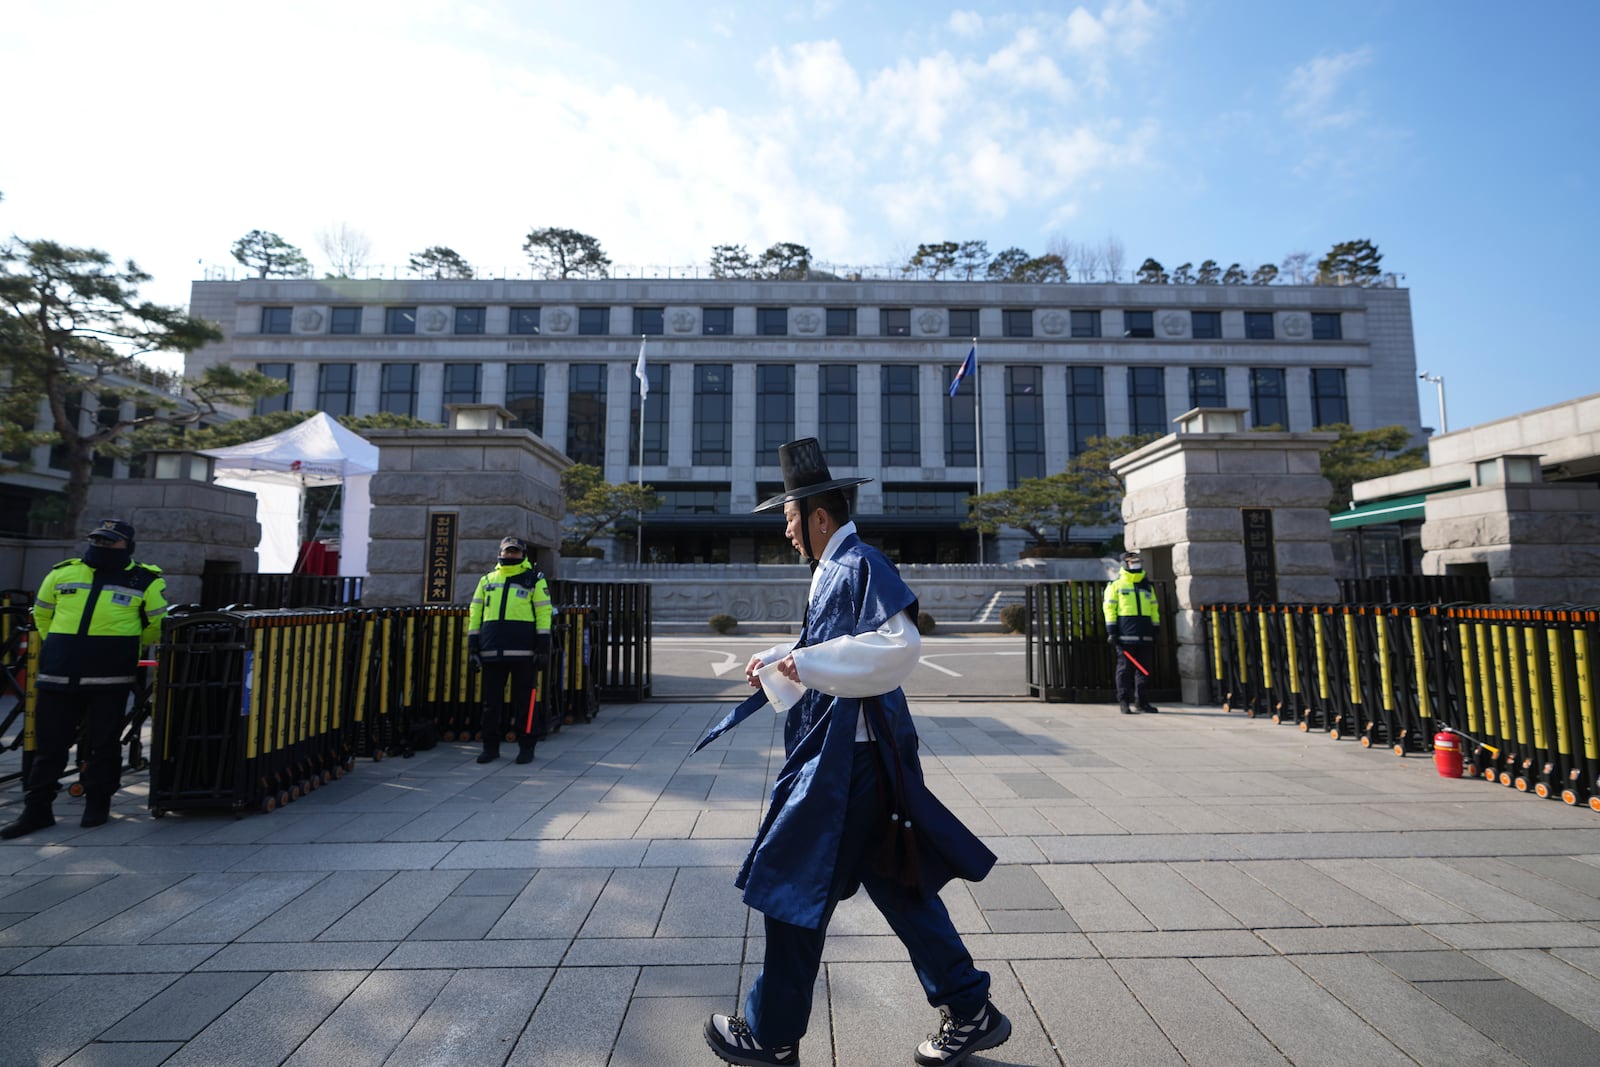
[{"x": 1395, "y": 510}]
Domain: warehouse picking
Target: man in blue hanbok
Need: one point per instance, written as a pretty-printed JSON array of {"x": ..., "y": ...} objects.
[{"x": 849, "y": 808}]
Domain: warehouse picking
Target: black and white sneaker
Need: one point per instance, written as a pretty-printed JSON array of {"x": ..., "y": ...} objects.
[
  {"x": 730, "y": 1037},
  {"x": 959, "y": 1038}
]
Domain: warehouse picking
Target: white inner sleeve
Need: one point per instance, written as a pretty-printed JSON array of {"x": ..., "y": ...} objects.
[{"x": 864, "y": 665}]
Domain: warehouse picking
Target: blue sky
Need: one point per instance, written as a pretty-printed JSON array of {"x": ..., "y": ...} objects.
[{"x": 1460, "y": 137}]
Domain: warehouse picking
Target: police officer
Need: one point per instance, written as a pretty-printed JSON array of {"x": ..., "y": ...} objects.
[
  {"x": 95, "y": 614},
  {"x": 508, "y": 636},
  {"x": 1132, "y": 618}
]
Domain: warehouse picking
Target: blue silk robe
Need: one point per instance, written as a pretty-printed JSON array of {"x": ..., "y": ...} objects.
[{"x": 791, "y": 864}]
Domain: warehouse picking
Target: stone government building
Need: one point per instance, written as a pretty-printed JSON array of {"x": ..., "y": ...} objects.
[{"x": 736, "y": 368}]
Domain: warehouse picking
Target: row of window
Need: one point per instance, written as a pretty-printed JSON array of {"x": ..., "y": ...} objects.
[
  {"x": 900, "y": 407},
  {"x": 774, "y": 322}
]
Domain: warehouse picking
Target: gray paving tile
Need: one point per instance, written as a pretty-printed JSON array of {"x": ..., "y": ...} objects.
[
  {"x": 62, "y": 921},
  {"x": 140, "y": 859},
  {"x": 478, "y": 855},
  {"x": 184, "y": 1008},
  {"x": 1393, "y": 892},
  {"x": 1189, "y": 944},
  {"x": 630, "y": 905},
  {"x": 459, "y": 918},
  {"x": 474, "y": 955},
  {"x": 1030, "y": 922},
  {"x": 299, "y": 956},
  {"x": 1165, "y": 898},
  {"x": 1091, "y": 1016},
  {"x": 1303, "y": 1021},
  {"x": 653, "y": 952},
  {"x": 56, "y": 1027},
  {"x": 1092, "y": 901},
  {"x": 20, "y": 993},
  {"x": 877, "y": 1013},
  {"x": 1585, "y": 959},
  {"x": 122, "y": 1054},
  {"x": 478, "y": 1016},
  {"x": 395, "y": 908},
  {"x": 1457, "y": 885},
  {"x": 1569, "y": 871},
  {"x": 118, "y": 959},
  {"x": 1529, "y": 1027},
  {"x": 1319, "y": 939},
  {"x": 354, "y": 856},
  {"x": 501, "y": 883},
  {"x": 555, "y": 903},
  {"x": 665, "y": 1031},
  {"x": 1319, "y": 896},
  {"x": 1201, "y": 1024},
  {"x": 703, "y": 902},
  {"x": 270, "y": 1022},
  {"x": 1516, "y": 935},
  {"x": 577, "y": 1019},
  {"x": 688, "y": 982},
  {"x": 30, "y": 893},
  {"x": 1559, "y": 898},
  {"x": 16, "y": 956},
  {"x": 1400, "y": 1012},
  {"x": 154, "y": 914},
  {"x": 1551, "y": 979},
  {"x": 318, "y": 908},
  {"x": 1434, "y": 966},
  {"x": 1247, "y": 900}
]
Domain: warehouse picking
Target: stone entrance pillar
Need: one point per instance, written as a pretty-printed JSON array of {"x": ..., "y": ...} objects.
[
  {"x": 1185, "y": 509},
  {"x": 496, "y": 482}
]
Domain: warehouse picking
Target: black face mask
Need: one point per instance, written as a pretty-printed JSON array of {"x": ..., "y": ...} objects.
[
  {"x": 509, "y": 561},
  {"x": 105, "y": 558}
]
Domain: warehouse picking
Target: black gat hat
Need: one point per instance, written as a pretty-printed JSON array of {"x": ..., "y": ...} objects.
[{"x": 805, "y": 473}]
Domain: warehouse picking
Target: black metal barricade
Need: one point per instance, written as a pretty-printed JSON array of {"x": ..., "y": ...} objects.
[
  {"x": 18, "y": 658},
  {"x": 1068, "y": 658},
  {"x": 1415, "y": 589},
  {"x": 1519, "y": 685},
  {"x": 269, "y": 591},
  {"x": 617, "y": 635}
]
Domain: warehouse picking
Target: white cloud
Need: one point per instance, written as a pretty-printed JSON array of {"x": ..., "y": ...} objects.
[
  {"x": 815, "y": 72},
  {"x": 965, "y": 23},
  {"x": 1319, "y": 92},
  {"x": 1022, "y": 65}
]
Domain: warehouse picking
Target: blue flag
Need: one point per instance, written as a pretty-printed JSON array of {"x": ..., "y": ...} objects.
[{"x": 968, "y": 366}]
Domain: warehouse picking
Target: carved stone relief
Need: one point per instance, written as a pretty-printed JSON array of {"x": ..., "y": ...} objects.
[
  {"x": 807, "y": 322},
  {"x": 434, "y": 320},
  {"x": 1173, "y": 324},
  {"x": 1296, "y": 325},
  {"x": 309, "y": 321},
  {"x": 1052, "y": 322},
  {"x": 683, "y": 321},
  {"x": 558, "y": 321},
  {"x": 930, "y": 322}
]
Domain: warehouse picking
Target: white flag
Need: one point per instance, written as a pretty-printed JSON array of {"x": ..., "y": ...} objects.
[{"x": 638, "y": 372}]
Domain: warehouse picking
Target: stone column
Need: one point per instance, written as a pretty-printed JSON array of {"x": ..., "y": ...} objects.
[
  {"x": 183, "y": 526},
  {"x": 499, "y": 482},
  {"x": 1182, "y": 508}
]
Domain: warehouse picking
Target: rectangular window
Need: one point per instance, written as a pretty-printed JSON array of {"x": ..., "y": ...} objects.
[
  {"x": 836, "y": 413},
  {"x": 1269, "y": 398},
  {"x": 694, "y": 500},
  {"x": 1147, "y": 400},
  {"x": 716, "y": 321},
  {"x": 1086, "y": 324},
  {"x": 276, "y": 320},
  {"x": 284, "y": 372},
  {"x": 772, "y": 322},
  {"x": 1205, "y": 325},
  {"x": 461, "y": 381},
  {"x": 525, "y": 395},
  {"x": 1328, "y": 401},
  {"x": 657, "y": 409},
  {"x": 344, "y": 320},
  {"x": 774, "y": 411},
  {"x": 470, "y": 320},
  {"x": 1326, "y": 327},
  {"x": 924, "y": 500},
  {"x": 400, "y": 320},
  {"x": 841, "y": 322},
  {"x": 1018, "y": 322},
  {"x": 901, "y": 417},
  {"x": 964, "y": 322},
  {"x": 595, "y": 322},
  {"x": 650, "y": 321},
  {"x": 1024, "y": 423},
  {"x": 336, "y": 388},
  {"x": 713, "y": 414},
  {"x": 525, "y": 320},
  {"x": 586, "y": 414},
  {"x": 1208, "y": 387},
  {"x": 960, "y": 422},
  {"x": 1258, "y": 325},
  {"x": 1086, "y": 405},
  {"x": 397, "y": 389},
  {"x": 894, "y": 322},
  {"x": 1138, "y": 324}
]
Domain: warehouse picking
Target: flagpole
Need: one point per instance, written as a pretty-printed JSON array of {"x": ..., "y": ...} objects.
[
  {"x": 977, "y": 416},
  {"x": 644, "y": 393}
]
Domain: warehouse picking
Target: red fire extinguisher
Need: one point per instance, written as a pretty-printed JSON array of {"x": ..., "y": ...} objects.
[{"x": 1447, "y": 754}]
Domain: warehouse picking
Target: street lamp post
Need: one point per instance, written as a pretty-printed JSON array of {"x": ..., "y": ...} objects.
[{"x": 1438, "y": 380}]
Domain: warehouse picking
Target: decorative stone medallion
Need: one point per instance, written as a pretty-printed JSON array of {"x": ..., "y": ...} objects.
[
  {"x": 434, "y": 320},
  {"x": 683, "y": 321},
  {"x": 1296, "y": 325},
  {"x": 1052, "y": 322},
  {"x": 1173, "y": 324},
  {"x": 930, "y": 322},
  {"x": 559, "y": 321},
  {"x": 309, "y": 321},
  {"x": 807, "y": 322}
]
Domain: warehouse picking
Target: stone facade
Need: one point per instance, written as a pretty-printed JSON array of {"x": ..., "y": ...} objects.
[
  {"x": 498, "y": 482},
  {"x": 1182, "y": 510},
  {"x": 1540, "y": 541}
]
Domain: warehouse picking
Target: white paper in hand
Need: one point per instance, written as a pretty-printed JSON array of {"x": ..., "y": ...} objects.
[{"x": 783, "y": 693}]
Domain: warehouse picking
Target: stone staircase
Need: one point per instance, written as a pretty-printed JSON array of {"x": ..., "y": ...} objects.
[{"x": 1006, "y": 594}]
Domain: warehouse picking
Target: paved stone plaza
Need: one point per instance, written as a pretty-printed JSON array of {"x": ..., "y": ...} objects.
[{"x": 1185, "y": 888}]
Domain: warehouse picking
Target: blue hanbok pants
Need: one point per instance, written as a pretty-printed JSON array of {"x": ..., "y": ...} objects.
[{"x": 778, "y": 1007}]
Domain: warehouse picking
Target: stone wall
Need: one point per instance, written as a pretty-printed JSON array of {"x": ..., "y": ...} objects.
[
  {"x": 1540, "y": 541},
  {"x": 1183, "y": 501},
  {"x": 498, "y": 482}
]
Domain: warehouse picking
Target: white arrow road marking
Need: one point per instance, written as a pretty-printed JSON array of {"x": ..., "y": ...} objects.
[
  {"x": 926, "y": 662},
  {"x": 729, "y": 662}
]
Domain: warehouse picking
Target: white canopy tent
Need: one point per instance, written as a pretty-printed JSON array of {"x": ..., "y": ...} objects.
[{"x": 277, "y": 469}]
